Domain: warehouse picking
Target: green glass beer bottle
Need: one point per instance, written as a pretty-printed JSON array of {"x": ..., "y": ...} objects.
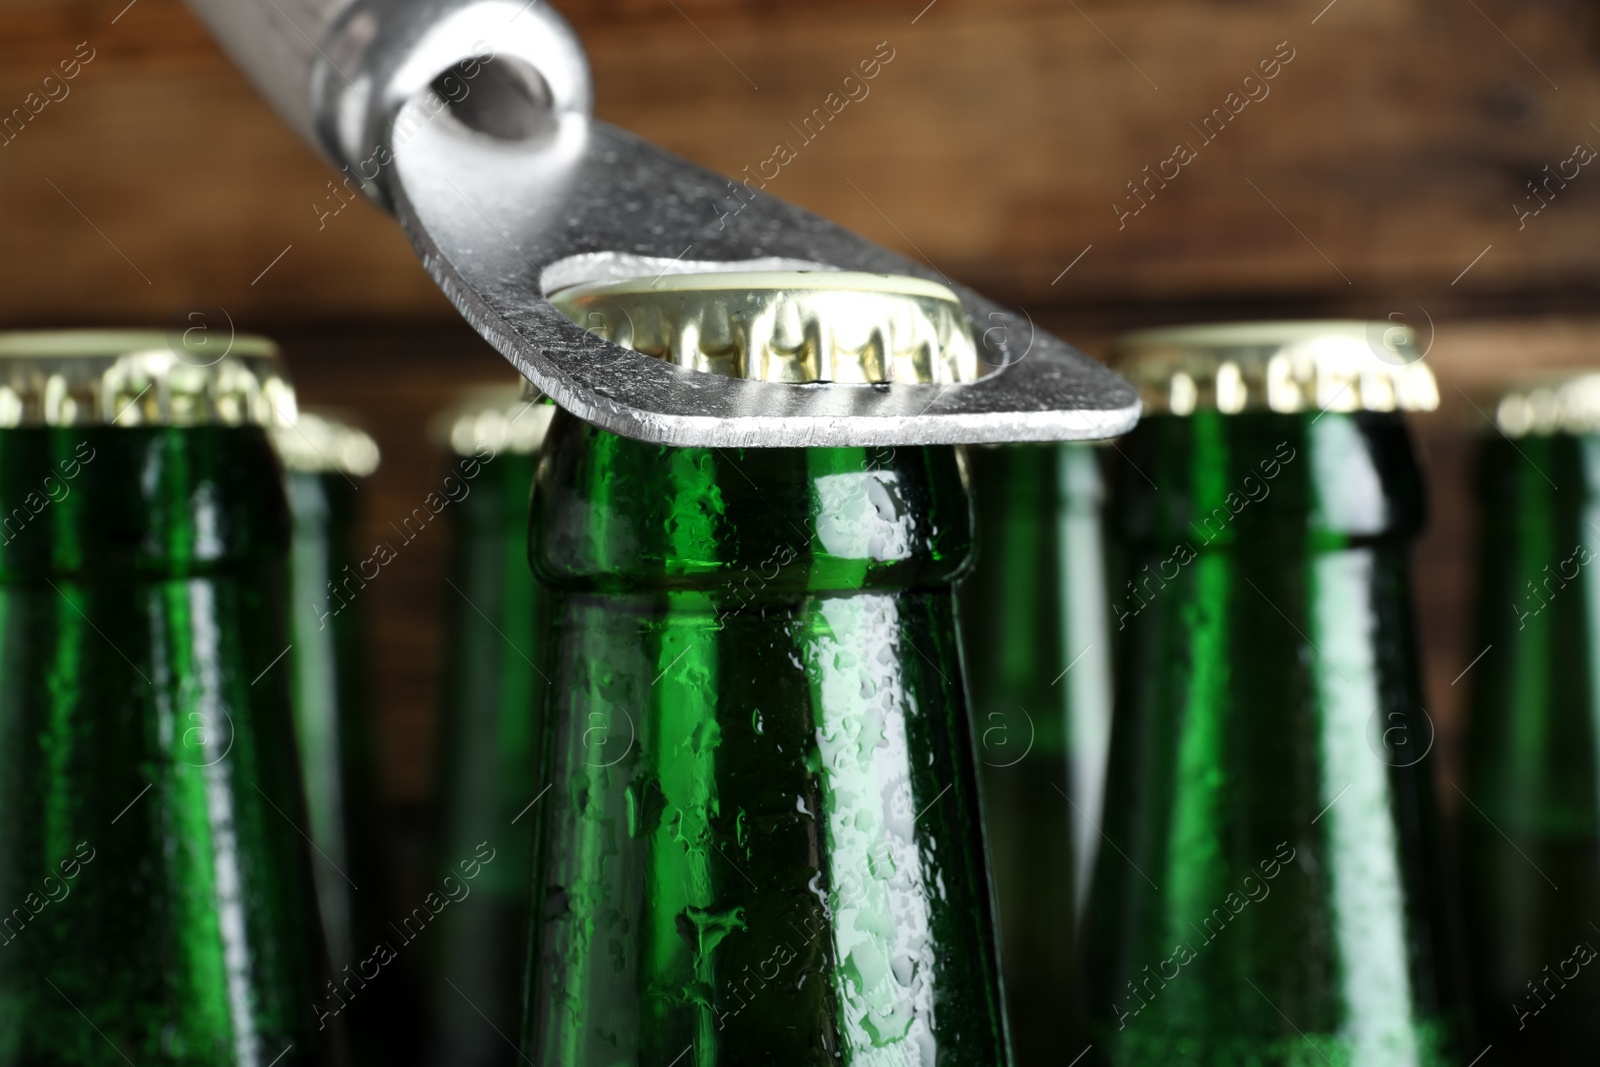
[
  {"x": 1038, "y": 655},
  {"x": 761, "y": 843},
  {"x": 323, "y": 456},
  {"x": 492, "y": 685},
  {"x": 1269, "y": 890},
  {"x": 1531, "y": 821},
  {"x": 157, "y": 898}
]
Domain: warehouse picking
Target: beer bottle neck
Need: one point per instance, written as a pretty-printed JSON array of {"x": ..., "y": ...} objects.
[
  {"x": 1271, "y": 752},
  {"x": 762, "y": 840},
  {"x": 1532, "y": 745},
  {"x": 153, "y": 501},
  {"x": 1538, "y": 485},
  {"x": 1538, "y": 609},
  {"x": 1289, "y": 482},
  {"x": 621, "y": 515}
]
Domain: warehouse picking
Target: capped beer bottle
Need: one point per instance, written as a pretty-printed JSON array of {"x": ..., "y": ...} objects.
[
  {"x": 158, "y": 905},
  {"x": 761, "y": 841},
  {"x": 323, "y": 456},
  {"x": 492, "y": 685},
  {"x": 1531, "y": 823},
  {"x": 1269, "y": 889},
  {"x": 1039, "y": 658}
]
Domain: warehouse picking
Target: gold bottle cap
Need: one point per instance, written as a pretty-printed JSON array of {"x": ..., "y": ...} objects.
[
  {"x": 785, "y": 326},
  {"x": 140, "y": 378},
  {"x": 1554, "y": 403},
  {"x": 494, "y": 418},
  {"x": 1277, "y": 366},
  {"x": 323, "y": 442}
]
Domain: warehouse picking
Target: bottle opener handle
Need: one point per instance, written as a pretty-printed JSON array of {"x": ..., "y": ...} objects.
[{"x": 470, "y": 121}]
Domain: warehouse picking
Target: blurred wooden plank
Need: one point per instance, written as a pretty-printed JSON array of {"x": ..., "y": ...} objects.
[
  {"x": 1386, "y": 158},
  {"x": 1000, "y": 138}
]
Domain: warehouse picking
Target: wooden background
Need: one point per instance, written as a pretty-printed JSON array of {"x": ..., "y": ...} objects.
[{"x": 1377, "y": 178}]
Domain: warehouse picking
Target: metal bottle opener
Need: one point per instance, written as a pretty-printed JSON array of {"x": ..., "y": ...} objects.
[{"x": 515, "y": 191}]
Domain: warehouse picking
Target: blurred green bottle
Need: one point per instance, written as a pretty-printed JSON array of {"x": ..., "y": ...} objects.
[
  {"x": 1270, "y": 888},
  {"x": 155, "y": 889},
  {"x": 493, "y": 686},
  {"x": 761, "y": 843},
  {"x": 323, "y": 458},
  {"x": 1531, "y": 821},
  {"x": 1038, "y": 656}
]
